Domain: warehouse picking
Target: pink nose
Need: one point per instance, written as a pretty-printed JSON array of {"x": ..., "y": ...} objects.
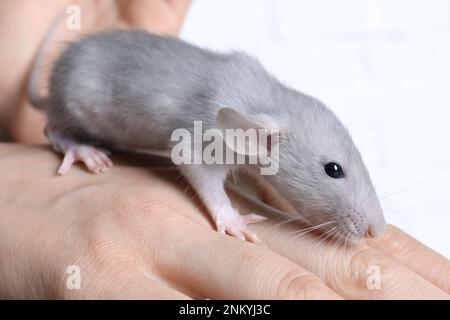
[
  {"x": 370, "y": 232},
  {"x": 373, "y": 231}
]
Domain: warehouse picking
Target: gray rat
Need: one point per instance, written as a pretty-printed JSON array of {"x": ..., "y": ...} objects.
[{"x": 131, "y": 89}]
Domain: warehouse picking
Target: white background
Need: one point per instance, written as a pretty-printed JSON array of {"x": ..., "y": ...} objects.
[{"x": 382, "y": 65}]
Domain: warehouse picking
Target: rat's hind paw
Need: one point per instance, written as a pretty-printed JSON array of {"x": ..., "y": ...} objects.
[
  {"x": 96, "y": 160},
  {"x": 236, "y": 226}
]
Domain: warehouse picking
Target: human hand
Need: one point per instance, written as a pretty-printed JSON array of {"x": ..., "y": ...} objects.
[
  {"x": 135, "y": 232},
  {"x": 24, "y": 25}
]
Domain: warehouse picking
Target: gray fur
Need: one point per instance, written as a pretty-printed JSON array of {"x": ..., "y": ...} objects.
[{"x": 131, "y": 89}]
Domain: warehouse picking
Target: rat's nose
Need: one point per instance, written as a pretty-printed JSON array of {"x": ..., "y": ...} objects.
[
  {"x": 374, "y": 230},
  {"x": 371, "y": 232}
]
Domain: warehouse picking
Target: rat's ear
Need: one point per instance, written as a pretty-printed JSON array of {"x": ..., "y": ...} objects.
[{"x": 264, "y": 133}]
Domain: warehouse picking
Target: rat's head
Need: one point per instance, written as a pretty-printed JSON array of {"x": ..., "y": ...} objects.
[
  {"x": 324, "y": 175},
  {"x": 321, "y": 172}
]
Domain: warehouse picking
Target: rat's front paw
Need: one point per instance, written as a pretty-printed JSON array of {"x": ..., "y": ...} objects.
[{"x": 237, "y": 226}]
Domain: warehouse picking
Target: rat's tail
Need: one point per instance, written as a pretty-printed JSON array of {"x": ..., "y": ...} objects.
[{"x": 38, "y": 101}]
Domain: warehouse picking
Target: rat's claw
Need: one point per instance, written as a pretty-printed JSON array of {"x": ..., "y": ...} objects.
[
  {"x": 245, "y": 234},
  {"x": 253, "y": 218},
  {"x": 68, "y": 161},
  {"x": 252, "y": 237},
  {"x": 221, "y": 228},
  {"x": 105, "y": 157},
  {"x": 236, "y": 233}
]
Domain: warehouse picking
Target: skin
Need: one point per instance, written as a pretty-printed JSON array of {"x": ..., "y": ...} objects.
[{"x": 139, "y": 232}]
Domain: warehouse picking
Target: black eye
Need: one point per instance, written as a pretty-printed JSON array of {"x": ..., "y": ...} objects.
[{"x": 334, "y": 170}]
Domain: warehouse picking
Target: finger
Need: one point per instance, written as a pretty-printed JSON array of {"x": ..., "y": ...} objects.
[
  {"x": 411, "y": 253},
  {"x": 179, "y": 7},
  {"x": 225, "y": 268},
  {"x": 354, "y": 271},
  {"x": 128, "y": 285}
]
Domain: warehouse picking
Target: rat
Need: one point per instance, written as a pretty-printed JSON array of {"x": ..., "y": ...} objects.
[{"x": 131, "y": 89}]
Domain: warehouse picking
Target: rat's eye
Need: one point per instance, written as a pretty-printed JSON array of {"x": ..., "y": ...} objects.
[{"x": 334, "y": 170}]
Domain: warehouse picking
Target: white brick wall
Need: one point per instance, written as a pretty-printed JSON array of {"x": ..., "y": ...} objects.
[
  {"x": 382, "y": 65},
  {"x": 320, "y": 17}
]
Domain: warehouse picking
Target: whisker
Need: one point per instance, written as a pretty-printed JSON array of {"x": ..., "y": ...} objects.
[
  {"x": 325, "y": 236},
  {"x": 302, "y": 232}
]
